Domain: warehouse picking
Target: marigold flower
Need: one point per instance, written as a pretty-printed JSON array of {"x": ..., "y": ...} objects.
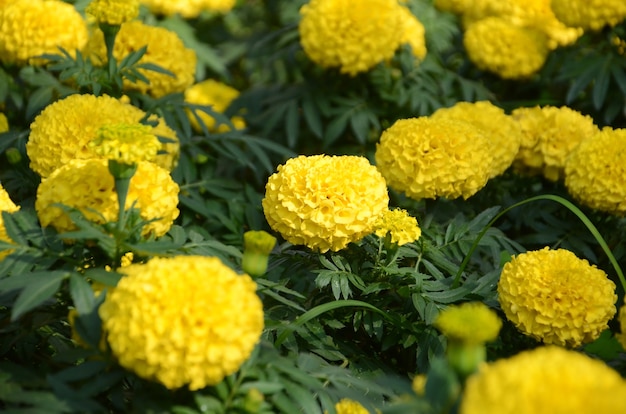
[
  {"x": 555, "y": 297},
  {"x": 545, "y": 380},
  {"x": 509, "y": 51},
  {"x": 414, "y": 33},
  {"x": 217, "y": 95},
  {"x": 113, "y": 12},
  {"x": 397, "y": 223},
  {"x": 188, "y": 9},
  {"x": 595, "y": 170},
  {"x": 472, "y": 322},
  {"x": 502, "y": 131},
  {"x": 64, "y": 129},
  {"x": 347, "y": 406},
  {"x": 87, "y": 186},
  {"x": 550, "y": 134},
  {"x": 590, "y": 14},
  {"x": 428, "y": 158},
  {"x": 126, "y": 143},
  {"x": 182, "y": 321},
  {"x": 30, "y": 28},
  {"x": 6, "y": 204},
  {"x": 353, "y": 36},
  {"x": 325, "y": 202}
]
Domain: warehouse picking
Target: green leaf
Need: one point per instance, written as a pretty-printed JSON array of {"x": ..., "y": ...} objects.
[
  {"x": 312, "y": 117},
  {"x": 82, "y": 294},
  {"x": 103, "y": 276},
  {"x": 292, "y": 124},
  {"x": 37, "y": 293}
]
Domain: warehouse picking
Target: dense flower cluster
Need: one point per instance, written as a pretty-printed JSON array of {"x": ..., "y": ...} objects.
[
  {"x": 113, "y": 12},
  {"x": 347, "y": 406},
  {"x": 470, "y": 322},
  {"x": 325, "y": 202},
  {"x": 502, "y": 131},
  {"x": 218, "y": 96},
  {"x": 88, "y": 186},
  {"x": 401, "y": 227},
  {"x": 30, "y": 28},
  {"x": 429, "y": 158},
  {"x": 182, "y": 321},
  {"x": 590, "y": 14},
  {"x": 356, "y": 36},
  {"x": 595, "y": 171},
  {"x": 549, "y": 135},
  {"x": 555, "y": 297},
  {"x": 6, "y": 204},
  {"x": 126, "y": 143},
  {"x": 188, "y": 9},
  {"x": 64, "y": 129}
]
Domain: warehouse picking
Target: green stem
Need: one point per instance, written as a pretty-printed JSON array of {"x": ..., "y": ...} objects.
[{"x": 585, "y": 220}]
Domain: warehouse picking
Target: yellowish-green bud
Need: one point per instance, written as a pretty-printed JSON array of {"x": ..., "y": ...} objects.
[
  {"x": 13, "y": 156},
  {"x": 126, "y": 143},
  {"x": 253, "y": 401},
  {"x": 113, "y": 12},
  {"x": 472, "y": 322},
  {"x": 465, "y": 357},
  {"x": 4, "y": 123},
  {"x": 257, "y": 246}
]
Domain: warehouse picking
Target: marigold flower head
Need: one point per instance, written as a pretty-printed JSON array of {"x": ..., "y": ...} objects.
[
  {"x": 472, "y": 322},
  {"x": 217, "y": 95},
  {"x": 502, "y": 131},
  {"x": 126, "y": 143},
  {"x": 397, "y": 223},
  {"x": 347, "y": 406},
  {"x": 555, "y": 297},
  {"x": 590, "y": 14},
  {"x": 30, "y": 28},
  {"x": 509, "y": 51},
  {"x": 6, "y": 204},
  {"x": 414, "y": 33},
  {"x": 430, "y": 158},
  {"x": 88, "y": 186},
  {"x": 352, "y": 35},
  {"x": 64, "y": 129},
  {"x": 188, "y": 9},
  {"x": 113, "y": 12},
  {"x": 182, "y": 321},
  {"x": 545, "y": 380},
  {"x": 595, "y": 171},
  {"x": 325, "y": 202}
]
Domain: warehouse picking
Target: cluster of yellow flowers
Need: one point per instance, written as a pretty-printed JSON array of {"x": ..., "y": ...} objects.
[
  {"x": 218, "y": 96},
  {"x": 182, "y": 321},
  {"x": 595, "y": 170},
  {"x": 325, "y": 202},
  {"x": 545, "y": 380},
  {"x": 555, "y": 297},
  {"x": 401, "y": 227},
  {"x": 188, "y": 8},
  {"x": 356, "y": 36},
  {"x": 6, "y": 204}
]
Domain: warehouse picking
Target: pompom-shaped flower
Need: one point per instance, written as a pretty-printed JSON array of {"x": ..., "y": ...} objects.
[
  {"x": 428, "y": 158},
  {"x": 502, "y": 131},
  {"x": 6, "y": 204},
  {"x": 595, "y": 171},
  {"x": 182, "y": 321},
  {"x": 590, "y": 14},
  {"x": 545, "y": 380},
  {"x": 414, "y": 33},
  {"x": 64, "y": 129},
  {"x": 471, "y": 322},
  {"x": 217, "y": 95},
  {"x": 509, "y": 51},
  {"x": 347, "y": 406},
  {"x": 126, "y": 143},
  {"x": 555, "y": 297},
  {"x": 325, "y": 202},
  {"x": 113, "y": 12},
  {"x": 401, "y": 227},
  {"x": 188, "y": 9},
  {"x": 30, "y": 28},
  {"x": 351, "y": 35},
  {"x": 88, "y": 186}
]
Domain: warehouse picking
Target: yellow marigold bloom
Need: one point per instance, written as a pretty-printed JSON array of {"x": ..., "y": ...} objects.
[
  {"x": 555, "y": 297},
  {"x": 113, "y": 12},
  {"x": 4, "y": 123},
  {"x": 590, "y": 14},
  {"x": 551, "y": 134},
  {"x": 397, "y": 222},
  {"x": 428, "y": 158},
  {"x": 183, "y": 321},
  {"x": 347, "y": 406},
  {"x": 502, "y": 131},
  {"x": 64, "y": 129},
  {"x": 188, "y": 9},
  {"x": 472, "y": 322},
  {"x": 594, "y": 171},
  {"x": 352, "y": 35},
  {"x": 414, "y": 33},
  {"x": 6, "y": 204},
  {"x": 88, "y": 186},
  {"x": 509, "y": 51},
  {"x": 217, "y": 95},
  {"x": 545, "y": 380},
  {"x": 126, "y": 143},
  {"x": 325, "y": 202},
  {"x": 621, "y": 337},
  {"x": 30, "y": 28}
]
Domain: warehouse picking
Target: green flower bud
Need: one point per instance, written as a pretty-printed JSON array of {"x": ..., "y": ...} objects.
[{"x": 256, "y": 250}]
